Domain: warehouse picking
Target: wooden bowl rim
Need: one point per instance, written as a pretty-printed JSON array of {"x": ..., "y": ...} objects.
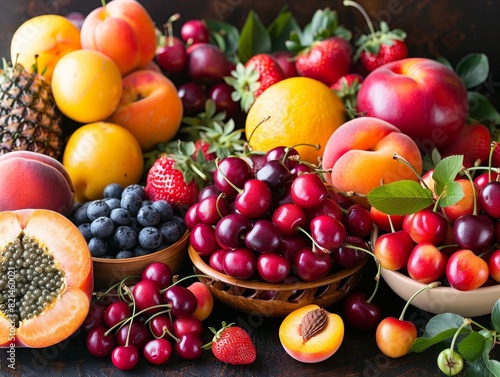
[
  {"x": 180, "y": 242},
  {"x": 200, "y": 264}
]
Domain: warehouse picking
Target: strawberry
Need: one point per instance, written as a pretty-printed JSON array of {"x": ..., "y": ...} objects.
[
  {"x": 176, "y": 177},
  {"x": 473, "y": 142},
  {"x": 323, "y": 49},
  {"x": 233, "y": 345},
  {"x": 251, "y": 79},
  {"x": 378, "y": 47},
  {"x": 347, "y": 88}
]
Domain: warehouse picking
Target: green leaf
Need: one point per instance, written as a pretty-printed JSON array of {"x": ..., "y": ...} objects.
[
  {"x": 481, "y": 110},
  {"x": 473, "y": 345},
  {"x": 280, "y": 29},
  {"x": 254, "y": 38},
  {"x": 473, "y": 69},
  {"x": 400, "y": 197},
  {"x": 440, "y": 327},
  {"x": 224, "y": 34},
  {"x": 444, "y": 176},
  {"x": 444, "y": 61},
  {"x": 495, "y": 316},
  {"x": 484, "y": 366}
]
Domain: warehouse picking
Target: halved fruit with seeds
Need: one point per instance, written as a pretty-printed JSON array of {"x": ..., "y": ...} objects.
[{"x": 46, "y": 278}]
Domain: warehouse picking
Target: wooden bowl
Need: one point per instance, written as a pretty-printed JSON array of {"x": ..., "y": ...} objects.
[
  {"x": 443, "y": 299},
  {"x": 110, "y": 271},
  {"x": 275, "y": 300}
]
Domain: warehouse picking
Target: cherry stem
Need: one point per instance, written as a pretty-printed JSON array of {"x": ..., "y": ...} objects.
[
  {"x": 239, "y": 190},
  {"x": 183, "y": 279},
  {"x": 315, "y": 244},
  {"x": 129, "y": 293},
  {"x": 348, "y": 3},
  {"x": 490, "y": 158},
  {"x": 466, "y": 322},
  {"x": 257, "y": 126},
  {"x": 169, "y": 32},
  {"x": 429, "y": 286},
  {"x": 403, "y": 160},
  {"x": 473, "y": 189},
  {"x": 104, "y": 8}
]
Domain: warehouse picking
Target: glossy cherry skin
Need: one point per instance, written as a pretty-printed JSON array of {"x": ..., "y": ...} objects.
[
  {"x": 494, "y": 265},
  {"x": 308, "y": 191},
  {"x": 211, "y": 209},
  {"x": 273, "y": 267},
  {"x": 158, "y": 272},
  {"x": 274, "y": 173},
  {"x": 147, "y": 295},
  {"x": 381, "y": 220},
  {"x": 195, "y": 31},
  {"x": 157, "y": 351},
  {"x": 182, "y": 301},
  {"x": 216, "y": 260},
  {"x": 348, "y": 257},
  {"x": 231, "y": 229},
  {"x": 310, "y": 265},
  {"x": 202, "y": 239},
  {"x": 426, "y": 263},
  {"x": 116, "y": 312},
  {"x": 482, "y": 179},
  {"x": 358, "y": 221},
  {"x": 139, "y": 335},
  {"x": 220, "y": 93},
  {"x": 466, "y": 271},
  {"x": 426, "y": 225},
  {"x": 394, "y": 337},
  {"x": 393, "y": 249},
  {"x": 193, "y": 97},
  {"x": 95, "y": 317},
  {"x": 289, "y": 156},
  {"x": 264, "y": 236},
  {"x": 98, "y": 343},
  {"x": 240, "y": 263},
  {"x": 189, "y": 346},
  {"x": 185, "y": 325},
  {"x": 254, "y": 200},
  {"x": 288, "y": 217},
  {"x": 172, "y": 57},
  {"x": 360, "y": 314},
  {"x": 160, "y": 326},
  {"x": 489, "y": 197},
  {"x": 329, "y": 207},
  {"x": 125, "y": 357},
  {"x": 327, "y": 232},
  {"x": 233, "y": 169},
  {"x": 291, "y": 244},
  {"x": 475, "y": 232},
  {"x": 191, "y": 216}
]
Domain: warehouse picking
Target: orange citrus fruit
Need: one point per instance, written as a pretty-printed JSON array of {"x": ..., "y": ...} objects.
[{"x": 297, "y": 110}]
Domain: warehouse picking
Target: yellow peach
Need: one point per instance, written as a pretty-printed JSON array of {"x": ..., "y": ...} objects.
[{"x": 42, "y": 40}]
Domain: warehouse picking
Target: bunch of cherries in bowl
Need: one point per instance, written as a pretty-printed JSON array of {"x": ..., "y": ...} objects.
[{"x": 270, "y": 217}]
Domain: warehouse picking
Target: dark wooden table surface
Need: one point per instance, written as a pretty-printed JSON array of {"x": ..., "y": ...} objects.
[{"x": 357, "y": 356}]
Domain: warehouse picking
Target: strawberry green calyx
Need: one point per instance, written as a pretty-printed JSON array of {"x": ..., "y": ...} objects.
[
  {"x": 245, "y": 81},
  {"x": 324, "y": 24}
]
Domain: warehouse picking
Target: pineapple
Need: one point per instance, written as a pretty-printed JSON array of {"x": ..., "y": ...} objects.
[{"x": 29, "y": 118}]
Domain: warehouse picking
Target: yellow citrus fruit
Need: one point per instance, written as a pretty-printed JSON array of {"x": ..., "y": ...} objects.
[
  {"x": 87, "y": 86},
  {"x": 100, "y": 153},
  {"x": 297, "y": 110},
  {"x": 43, "y": 40}
]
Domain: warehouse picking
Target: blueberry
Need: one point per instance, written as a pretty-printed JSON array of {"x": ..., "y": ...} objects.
[
  {"x": 125, "y": 237},
  {"x": 120, "y": 216},
  {"x": 113, "y": 203},
  {"x": 164, "y": 208},
  {"x": 124, "y": 254},
  {"x": 85, "y": 231},
  {"x": 80, "y": 214},
  {"x": 170, "y": 232},
  {"x": 140, "y": 251},
  {"x": 180, "y": 223},
  {"x": 112, "y": 190},
  {"x": 131, "y": 202},
  {"x": 148, "y": 216},
  {"x": 97, "y": 208},
  {"x": 150, "y": 238},
  {"x": 134, "y": 224},
  {"x": 102, "y": 227},
  {"x": 147, "y": 202},
  {"x": 134, "y": 188},
  {"x": 97, "y": 247}
]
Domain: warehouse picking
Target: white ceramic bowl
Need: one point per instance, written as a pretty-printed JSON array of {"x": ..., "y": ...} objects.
[{"x": 443, "y": 299}]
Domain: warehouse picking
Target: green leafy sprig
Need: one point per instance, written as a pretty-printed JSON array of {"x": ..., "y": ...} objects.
[{"x": 474, "y": 341}]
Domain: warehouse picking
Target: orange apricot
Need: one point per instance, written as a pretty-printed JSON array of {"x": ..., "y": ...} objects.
[{"x": 311, "y": 334}]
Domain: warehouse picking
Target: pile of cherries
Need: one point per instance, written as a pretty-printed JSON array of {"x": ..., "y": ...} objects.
[
  {"x": 152, "y": 316},
  {"x": 270, "y": 217}
]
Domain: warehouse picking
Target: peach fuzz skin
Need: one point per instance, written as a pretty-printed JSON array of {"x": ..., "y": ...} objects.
[
  {"x": 126, "y": 21},
  {"x": 33, "y": 180},
  {"x": 149, "y": 108},
  {"x": 318, "y": 348},
  {"x": 359, "y": 155}
]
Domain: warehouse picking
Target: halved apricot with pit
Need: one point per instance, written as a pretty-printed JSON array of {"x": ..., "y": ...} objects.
[
  {"x": 46, "y": 278},
  {"x": 311, "y": 334}
]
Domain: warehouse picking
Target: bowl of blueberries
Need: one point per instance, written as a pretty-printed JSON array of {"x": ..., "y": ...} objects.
[{"x": 125, "y": 232}]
